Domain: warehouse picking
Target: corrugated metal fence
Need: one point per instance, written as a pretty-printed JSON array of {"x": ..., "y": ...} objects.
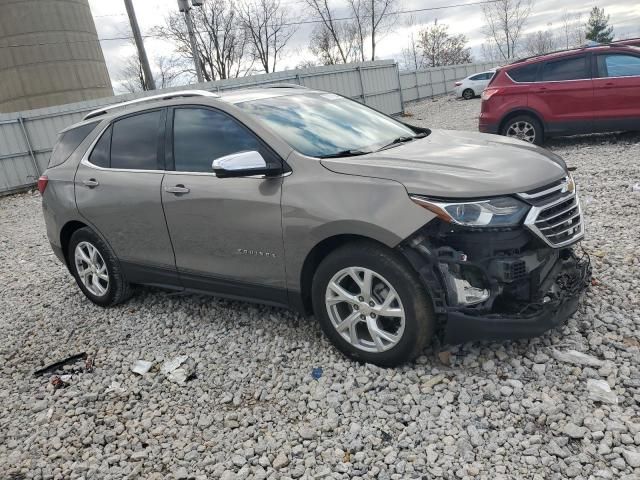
[
  {"x": 434, "y": 81},
  {"x": 26, "y": 138}
]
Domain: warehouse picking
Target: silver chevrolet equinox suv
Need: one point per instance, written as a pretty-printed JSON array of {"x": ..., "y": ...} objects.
[{"x": 388, "y": 233}]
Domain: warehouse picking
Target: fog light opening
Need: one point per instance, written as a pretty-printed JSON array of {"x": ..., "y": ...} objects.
[{"x": 461, "y": 290}]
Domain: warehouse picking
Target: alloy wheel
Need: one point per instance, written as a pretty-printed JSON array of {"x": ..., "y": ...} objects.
[
  {"x": 91, "y": 268},
  {"x": 522, "y": 130},
  {"x": 365, "y": 309}
]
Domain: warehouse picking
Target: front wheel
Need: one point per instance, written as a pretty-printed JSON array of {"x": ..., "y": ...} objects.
[
  {"x": 468, "y": 94},
  {"x": 524, "y": 127},
  {"x": 372, "y": 305}
]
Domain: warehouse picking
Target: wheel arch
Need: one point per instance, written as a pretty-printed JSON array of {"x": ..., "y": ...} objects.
[
  {"x": 65, "y": 236},
  {"x": 315, "y": 256}
]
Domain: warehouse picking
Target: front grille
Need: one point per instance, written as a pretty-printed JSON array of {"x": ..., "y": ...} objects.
[{"x": 556, "y": 216}]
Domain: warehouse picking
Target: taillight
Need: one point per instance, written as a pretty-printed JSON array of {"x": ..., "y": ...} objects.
[
  {"x": 42, "y": 183},
  {"x": 457, "y": 84},
  {"x": 488, "y": 93}
]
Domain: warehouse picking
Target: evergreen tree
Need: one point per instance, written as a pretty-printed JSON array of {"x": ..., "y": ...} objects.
[{"x": 598, "y": 29}]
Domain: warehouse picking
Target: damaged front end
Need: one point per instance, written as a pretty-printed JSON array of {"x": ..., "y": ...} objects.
[{"x": 501, "y": 283}]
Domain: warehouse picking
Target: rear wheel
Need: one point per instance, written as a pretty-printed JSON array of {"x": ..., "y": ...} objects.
[
  {"x": 468, "y": 94},
  {"x": 96, "y": 269},
  {"x": 371, "y": 304},
  {"x": 524, "y": 127}
]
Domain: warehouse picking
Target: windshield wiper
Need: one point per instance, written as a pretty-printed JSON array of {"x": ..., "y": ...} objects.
[
  {"x": 403, "y": 139},
  {"x": 344, "y": 153}
]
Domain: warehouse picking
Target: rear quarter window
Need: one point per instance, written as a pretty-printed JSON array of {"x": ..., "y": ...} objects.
[
  {"x": 525, "y": 73},
  {"x": 68, "y": 142}
]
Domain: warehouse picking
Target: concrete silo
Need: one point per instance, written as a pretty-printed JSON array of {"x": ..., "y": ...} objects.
[{"x": 49, "y": 54}]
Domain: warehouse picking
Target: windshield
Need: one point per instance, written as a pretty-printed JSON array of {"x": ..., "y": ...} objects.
[{"x": 326, "y": 124}]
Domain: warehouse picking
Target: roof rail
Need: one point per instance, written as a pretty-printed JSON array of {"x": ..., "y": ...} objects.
[
  {"x": 571, "y": 49},
  {"x": 285, "y": 85},
  {"x": 162, "y": 96}
]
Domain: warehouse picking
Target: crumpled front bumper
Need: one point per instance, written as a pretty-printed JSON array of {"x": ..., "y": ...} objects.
[
  {"x": 572, "y": 276},
  {"x": 531, "y": 287}
]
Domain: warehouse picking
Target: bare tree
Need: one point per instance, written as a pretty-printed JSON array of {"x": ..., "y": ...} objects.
[
  {"x": 169, "y": 71},
  {"x": 268, "y": 29},
  {"x": 411, "y": 57},
  {"x": 504, "y": 21},
  {"x": 166, "y": 72},
  {"x": 439, "y": 48},
  {"x": 131, "y": 75},
  {"x": 489, "y": 53},
  {"x": 221, "y": 43},
  {"x": 323, "y": 44},
  {"x": 572, "y": 29},
  {"x": 361, "y": 25},
  {"x": 540, "y": 42},
  {"x": 333, "y": 41}
]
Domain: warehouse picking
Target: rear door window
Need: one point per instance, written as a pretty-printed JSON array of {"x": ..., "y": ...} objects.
[
  {"x": 618, "y": 66},
  {"x": 68, "y": 142},
  {"x": 574, "y": 68},
  {"x": 526, "y": 73},
  {"x": 135, "y": 140}
]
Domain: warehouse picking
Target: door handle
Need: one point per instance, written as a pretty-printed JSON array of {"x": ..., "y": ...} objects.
[
  {"x": 91, "y": 183},
  {"x": 177, "y": 189}
]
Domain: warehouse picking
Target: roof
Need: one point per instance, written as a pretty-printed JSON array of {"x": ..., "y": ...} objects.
[
  {"x": 260, "y": 93},
  {"x": 573, "y": 51}
]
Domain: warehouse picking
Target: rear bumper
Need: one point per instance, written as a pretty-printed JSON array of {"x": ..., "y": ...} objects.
[{"x": 529, "y": 288}]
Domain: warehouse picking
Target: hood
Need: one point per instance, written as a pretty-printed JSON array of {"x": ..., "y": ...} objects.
[{"x": 457, "y": 164}]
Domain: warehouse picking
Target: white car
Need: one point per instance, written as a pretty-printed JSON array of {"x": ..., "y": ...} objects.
[{"x": 473, "y": 85}]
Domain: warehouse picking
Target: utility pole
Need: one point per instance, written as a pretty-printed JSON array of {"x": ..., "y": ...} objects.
[
  {"x": 185, "y": 7},
  {"x": 150, "y": 84}
]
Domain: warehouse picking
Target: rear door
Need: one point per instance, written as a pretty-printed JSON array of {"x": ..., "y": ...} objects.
[
  {"x": 617, "y": 91},
  {"x": 117, "y": 189},
  {"x": 564, "y": 95}
]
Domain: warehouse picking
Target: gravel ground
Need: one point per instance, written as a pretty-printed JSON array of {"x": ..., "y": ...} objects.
[{"x": 254, "y": 409}]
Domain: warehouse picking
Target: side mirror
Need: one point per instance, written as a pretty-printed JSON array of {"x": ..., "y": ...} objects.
[{"x": 242, "y": 164}]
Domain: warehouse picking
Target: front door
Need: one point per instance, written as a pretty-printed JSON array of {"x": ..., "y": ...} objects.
[
  {"x": 226, "y": 232},
  {"x": 565, "y": 95},
  {"x": 118, "y": 192},
  {"x": 617, "y": 92}
]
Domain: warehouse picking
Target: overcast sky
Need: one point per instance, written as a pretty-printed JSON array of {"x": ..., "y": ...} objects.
[{"x": 111, "y": 21}]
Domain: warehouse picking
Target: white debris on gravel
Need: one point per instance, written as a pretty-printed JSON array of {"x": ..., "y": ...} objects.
[
  {"x": 141, "y": 367},
  {"x": 252, "y": 408},
  {"x": 600, "y": 391}
]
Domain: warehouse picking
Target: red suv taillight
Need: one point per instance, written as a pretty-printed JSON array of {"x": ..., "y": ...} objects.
[
  {"x": 42, "y": 183},
  {"x": 488, "y": 93}
]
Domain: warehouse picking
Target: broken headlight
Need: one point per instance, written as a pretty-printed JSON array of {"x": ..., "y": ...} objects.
[{"x": 494, "y": 212}]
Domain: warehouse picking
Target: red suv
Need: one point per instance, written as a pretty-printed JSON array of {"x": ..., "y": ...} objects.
[{"x": 587, "y": 90}]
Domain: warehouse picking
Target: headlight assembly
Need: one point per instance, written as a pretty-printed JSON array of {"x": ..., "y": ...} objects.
[{"x": 494, "y": 212}]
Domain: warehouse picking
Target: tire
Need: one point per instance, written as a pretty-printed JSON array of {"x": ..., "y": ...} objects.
[
  {"x": 402, "y": 339},
  {"x": 468, "y": 94},
  {"x": 520, "y": 127},
  {"x": 116, "y": 288}
]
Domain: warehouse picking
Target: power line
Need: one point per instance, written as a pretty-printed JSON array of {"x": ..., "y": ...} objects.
[{"x": 287, "y": 24}]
